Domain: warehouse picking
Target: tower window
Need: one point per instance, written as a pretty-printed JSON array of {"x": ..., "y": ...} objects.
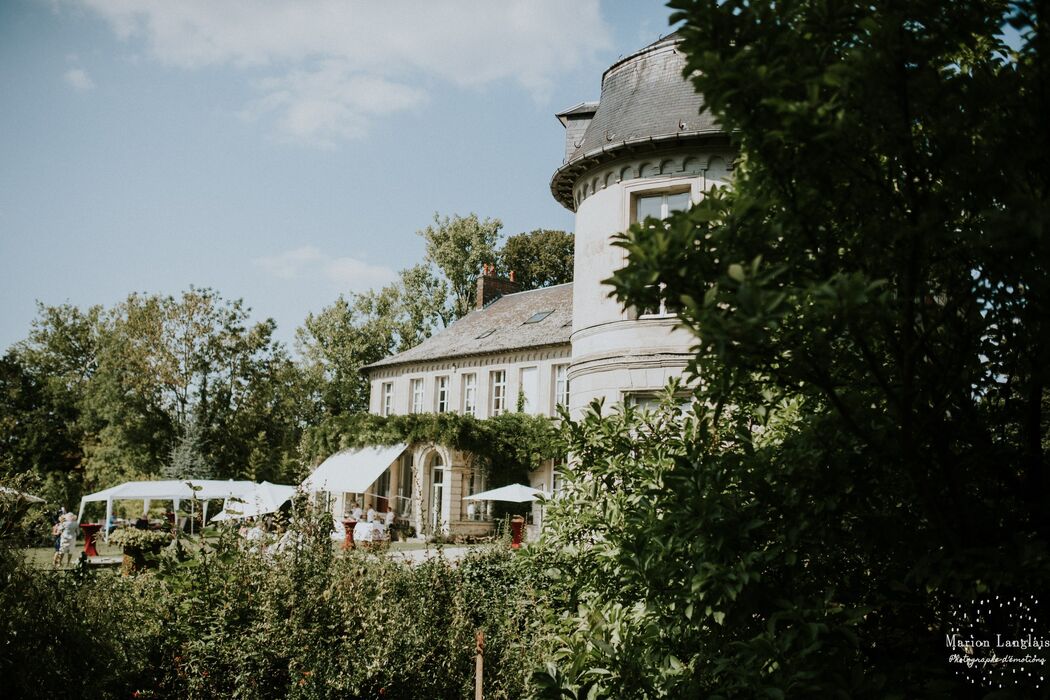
[{"x": 658, "y": 205}]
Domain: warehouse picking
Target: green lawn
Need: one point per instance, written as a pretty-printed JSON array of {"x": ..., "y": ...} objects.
[{"x": 41, "y": 557}]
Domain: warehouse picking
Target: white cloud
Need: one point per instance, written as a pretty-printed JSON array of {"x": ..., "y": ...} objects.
[
  {"x": 332, "y": 65},
  {"x": 329, "y": 102},
  {"x": 291, "y": 263},
  {"x": 348, "y": 273},
  {"x": 342, "y": 273},
  {"x": 79, "y": 80}
]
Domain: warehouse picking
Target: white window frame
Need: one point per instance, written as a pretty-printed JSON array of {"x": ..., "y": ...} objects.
[
  {"x": 387, "y": 399},
  {"x": 663, "y": 194},
  {"x": 417, "y": 388},
  {"x": 441, "y": 394},
  {"x": 561, "y": 386},
  {"x": 470, "y": 394},
  {"x": 531, "y": 403},
  {"x": 665, "y": 189},
  {"x": 498, "y": 391}
]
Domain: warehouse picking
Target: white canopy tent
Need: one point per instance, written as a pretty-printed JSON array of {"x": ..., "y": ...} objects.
[
  {"x": 267, "y": 498},
  {"x": 514, "y": 493},
  {"x": 167, "y": 490},
  {"x": 352, "y": 471}
]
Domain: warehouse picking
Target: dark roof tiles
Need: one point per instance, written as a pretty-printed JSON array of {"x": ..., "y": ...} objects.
[
  {"x": 504, "y": 322},
  {"x": 645, "y": 98}
]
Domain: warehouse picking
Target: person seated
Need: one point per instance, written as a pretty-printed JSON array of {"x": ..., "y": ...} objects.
[
  {"x": 371, "y": 517},
  {"x": 355, "y": 511}
]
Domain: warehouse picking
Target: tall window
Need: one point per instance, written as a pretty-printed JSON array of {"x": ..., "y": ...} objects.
[
  {"x": 499, "y": 392},
  {"x": 441, "y": 395},
  {"x": 417, "y": 395},
  {"x": 658, "y": 205},
  {"x": 470, "y": 394},
  {"x": 388, "y": 398},
  {"x": 530, "y": 389},
  {"x": 561, "y": 385}
]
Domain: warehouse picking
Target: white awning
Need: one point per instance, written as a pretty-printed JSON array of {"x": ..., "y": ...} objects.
[
  {"x": 352, "y": 471},
  {"x": 515, "y": 493}
]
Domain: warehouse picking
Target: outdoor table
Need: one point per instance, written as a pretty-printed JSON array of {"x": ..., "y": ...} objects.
[
  {"x": 348, "y": 526},
  {"x": 369, "y": 532},
  {"x": 90, "y": 530}
]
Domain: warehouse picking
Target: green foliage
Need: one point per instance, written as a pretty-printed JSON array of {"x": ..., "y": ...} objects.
[
  {"x": 187, "y": 460},
  {"x": 78, "y": 634},
  {"x": 507, "y": 446},
  {"x": 870, "y": 301},
  {"x": 224, "y": 621},
  {"x": 23, "y": 521},
  {"x": 95, "y": 397},
  {"x": 459, "y": 246},
  {"x": 134, "y": 538},
  {"x": 539, "y": 258}
]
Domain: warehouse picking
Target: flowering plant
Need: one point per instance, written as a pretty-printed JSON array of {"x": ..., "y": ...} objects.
[{"x": 134, "y": 538}]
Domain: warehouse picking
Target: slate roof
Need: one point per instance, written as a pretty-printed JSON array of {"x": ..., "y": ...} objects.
[
  {"x": 505, "y": 317},
  {"x": 644, "y": 99}
]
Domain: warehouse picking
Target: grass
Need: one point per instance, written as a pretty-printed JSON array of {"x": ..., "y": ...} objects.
[{"x": 41, "y": 557}]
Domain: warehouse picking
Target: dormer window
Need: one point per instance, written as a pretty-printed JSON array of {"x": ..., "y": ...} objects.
[{"x": 537, "y": 317}]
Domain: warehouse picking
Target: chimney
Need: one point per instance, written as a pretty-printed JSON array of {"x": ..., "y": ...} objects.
[
  {"x": 491, "y": 287},
  {"x": 576, "y": 120}
]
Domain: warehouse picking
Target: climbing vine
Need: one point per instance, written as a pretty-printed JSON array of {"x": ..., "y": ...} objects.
[{"x": 506, "y": 447}]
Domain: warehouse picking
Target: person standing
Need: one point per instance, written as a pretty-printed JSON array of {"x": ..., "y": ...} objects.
[
  {"x": 56, "y": 534},
  {"x": 68, "y": 538}
]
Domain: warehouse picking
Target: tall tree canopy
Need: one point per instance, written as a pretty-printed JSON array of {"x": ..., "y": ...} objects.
[
  {"x": 872, "y": 307},
  {"x": 459, "y": 246},
  {"x": 155, "y": 383},
  {"x": 539, "y": 258}
]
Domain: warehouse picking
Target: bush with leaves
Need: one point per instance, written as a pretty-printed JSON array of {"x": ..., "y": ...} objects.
[{"x": 874, "y": 284}]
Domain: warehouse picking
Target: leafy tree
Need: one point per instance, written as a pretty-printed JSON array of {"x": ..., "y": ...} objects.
[
  {"x": 539, "y": 258},
  {"x": 187, "y": 460},
  {"x": 340, "y": 340},
  {"x": 45, "y": 379},
  {"x": 459, "y": 246},
  {"x": 35, "y": 432},
  {"x": 870, "y": 300},
  {"x": 337, "y": 342},
  {"x": 423, "y": 302}
]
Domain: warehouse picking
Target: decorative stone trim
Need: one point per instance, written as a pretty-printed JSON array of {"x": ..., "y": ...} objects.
[
  {"x": 641, "y": 359},
  {"x": 653, "y": 165},
  {"x": 614, "y": 163}
]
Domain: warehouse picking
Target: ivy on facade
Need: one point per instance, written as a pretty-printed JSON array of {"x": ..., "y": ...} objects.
[{"x": 506, "y": 447}]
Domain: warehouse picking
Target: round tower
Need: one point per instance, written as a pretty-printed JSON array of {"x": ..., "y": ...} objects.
[{"x": 644, "y": 149}]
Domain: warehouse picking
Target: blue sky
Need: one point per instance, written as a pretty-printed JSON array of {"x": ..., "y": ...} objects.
[{"x": 278, "y": 151}]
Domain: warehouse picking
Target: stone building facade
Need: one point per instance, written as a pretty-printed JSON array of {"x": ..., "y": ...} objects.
[{"x": 644, "y": 149}]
